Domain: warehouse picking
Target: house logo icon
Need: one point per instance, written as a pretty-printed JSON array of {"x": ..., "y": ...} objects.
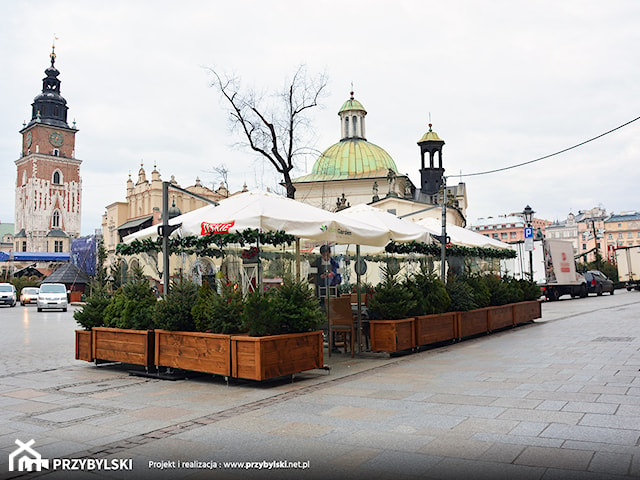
[{"x": 26, "y": 458}]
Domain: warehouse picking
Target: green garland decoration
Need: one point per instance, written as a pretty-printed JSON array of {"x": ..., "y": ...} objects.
[
  {"x": 206, "y": 245},
  {"x": 212, "y": 245},
  {"x": 434, "y": 249}
]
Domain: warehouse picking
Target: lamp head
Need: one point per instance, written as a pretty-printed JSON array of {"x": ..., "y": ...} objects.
[{"x": 528, "y": 214}]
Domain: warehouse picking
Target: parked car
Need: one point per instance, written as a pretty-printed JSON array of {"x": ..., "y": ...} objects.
[
  {"x": 29, "y": 295},
  {"x": 8, "y": 294},
  {"x": 598, "y": 283},
  {"x": 52, "y": 295}
]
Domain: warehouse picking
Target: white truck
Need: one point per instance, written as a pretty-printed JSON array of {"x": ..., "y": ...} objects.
[
  {"x": 561, "y": 277},
  {"x": 628, "y": 263}
]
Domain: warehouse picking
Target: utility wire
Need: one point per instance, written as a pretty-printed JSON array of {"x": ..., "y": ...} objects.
[{"x": 550, "y": 155}]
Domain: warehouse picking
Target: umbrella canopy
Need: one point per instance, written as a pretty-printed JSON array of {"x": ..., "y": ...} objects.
[
  {"x": 462, "y": 236},
  {"x": 399, "y": 230},
  {"x": 270, "y": 212}
]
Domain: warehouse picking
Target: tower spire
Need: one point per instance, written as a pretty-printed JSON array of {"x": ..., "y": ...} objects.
[
  {"x": 52, "y": 55},
  {"x": 50, "y": 107}
]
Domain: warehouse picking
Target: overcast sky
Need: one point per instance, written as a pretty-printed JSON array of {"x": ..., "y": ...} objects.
[{"x": 505, "y": 82}]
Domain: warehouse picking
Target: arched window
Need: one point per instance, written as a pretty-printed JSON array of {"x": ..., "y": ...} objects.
[
  {"x": 355, "y": 126},
  {"x": 346, "y": 126},
  {"x": 56, "y": 152},
  {"x": 24, "y": 177},
  {"x": 57, "y": 178},
  {"x": 55, "y": 221}
]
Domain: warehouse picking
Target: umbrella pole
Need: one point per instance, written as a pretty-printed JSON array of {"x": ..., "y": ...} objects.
[
  {"x": 328, "y": 294},
  {"x": 297, "y": 259},
  {"x": 359, "y": 299},
  {"x": 443, "y": 247},
  {"x": 259, "y": 279}
]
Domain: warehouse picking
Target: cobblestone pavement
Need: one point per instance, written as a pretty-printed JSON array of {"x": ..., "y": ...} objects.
[{"x": 556, "y": 399}]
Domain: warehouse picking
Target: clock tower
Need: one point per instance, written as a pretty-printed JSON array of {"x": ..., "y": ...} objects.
[{"x": 48, "y": 183}]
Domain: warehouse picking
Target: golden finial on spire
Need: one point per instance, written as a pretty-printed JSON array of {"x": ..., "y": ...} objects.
[{"x": 53, "y": 49}]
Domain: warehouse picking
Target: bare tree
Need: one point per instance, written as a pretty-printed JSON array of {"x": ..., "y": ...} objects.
[
  {"x": 274, "y": 126},
  {"x": 222, "y": 173}
]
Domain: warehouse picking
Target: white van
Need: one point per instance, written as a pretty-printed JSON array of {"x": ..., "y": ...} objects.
[
  {"x": 52, "y": 295},
  {"x": 8, "y": 294}
]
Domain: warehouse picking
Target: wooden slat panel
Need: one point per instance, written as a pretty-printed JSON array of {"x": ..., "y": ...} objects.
[
  {"x": 500, "y": 317},
  {"x": 122, "y": 345},
  {"x": 435, "y": 328},
  {"x": 527, "y": 311},
  {"x": 201, "y": 352},
  {"x": 383, "y": 336},
  {"x": 261, "y": 358},
  {"x": 392, "y": 335},
  {"x": 83, "y": 345},
  {"x": 473, "y": 322}
]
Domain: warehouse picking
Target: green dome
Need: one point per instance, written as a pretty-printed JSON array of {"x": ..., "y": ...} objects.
[
  {"x": 351, "y": 104},
  {"x": 351, "y": 158}
]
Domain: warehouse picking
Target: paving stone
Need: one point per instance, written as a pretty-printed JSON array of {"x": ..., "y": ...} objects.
[
  {"x": 587, "y": 407},
  {"x": 455, "y": 469},
  {"x": 537, "y": 415},
  {"x": 611, "y": 421},
  {"x": 453, "y": 445},
  {"x": 69, "y": 414},
  {"x": 556, "y": 405},
  {"x": 612, "y": 463},
  {"x": 592, "y": 434},
  {"x": 530, "y": 429},
  {"x": 555, "y": 458}
]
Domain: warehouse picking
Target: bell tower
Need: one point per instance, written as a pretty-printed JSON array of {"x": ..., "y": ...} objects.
[
  {"x": 431, "y": 174},
  {"x": 48, "y": 183}
]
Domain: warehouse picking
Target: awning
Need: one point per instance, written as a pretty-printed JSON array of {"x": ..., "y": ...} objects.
[
  {"x": 35, "y": 257},
  {"x": 136, "y": 222}
]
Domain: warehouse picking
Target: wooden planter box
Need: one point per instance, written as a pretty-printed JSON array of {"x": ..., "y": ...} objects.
[
  {"x": 83, "y": 345},
  {"x": 197, "y": 351},
  {"x": 122, "y": 345},
  {"x": 500, "y": 317},
  {"x": 526, "y": 311},
  {"x": 473, "y": 322},
  {"x": 392, "y": 335},
  {"x": 261, "y": 358},
  {"x": 75, "y": 297},
  {"x": 440, "y": 327}
]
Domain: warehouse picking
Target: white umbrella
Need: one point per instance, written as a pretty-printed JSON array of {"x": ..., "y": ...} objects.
[
  {"x": 270, "y": 212},
  {"x": 461, "y": 236},
  {"x": 399, "y": 230}
]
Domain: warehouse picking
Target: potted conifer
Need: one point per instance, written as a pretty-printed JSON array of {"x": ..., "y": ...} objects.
[
  {"x": 177, "y": 343},
  {"x": 127, "y": 336},
  {"x": 283, "y": 333},
  {"x": 433, "y": 323},
  {"x": 391, "y": 327}
]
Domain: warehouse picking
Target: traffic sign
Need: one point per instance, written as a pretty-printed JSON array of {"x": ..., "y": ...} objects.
[
  {"x": 528, "y": 232},
  {"x": 528, "y": 244}
]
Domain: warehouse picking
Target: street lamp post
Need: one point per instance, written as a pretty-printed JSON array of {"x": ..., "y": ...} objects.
[{"x": 528, "y": 218}]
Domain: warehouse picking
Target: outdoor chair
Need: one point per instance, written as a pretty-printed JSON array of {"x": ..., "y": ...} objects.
[{"x": 341, "y": 318}]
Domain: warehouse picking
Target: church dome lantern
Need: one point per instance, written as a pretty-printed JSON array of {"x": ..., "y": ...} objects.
[
  {"x": 431, "y": 173},
  {"x": 352, "y": 115}
]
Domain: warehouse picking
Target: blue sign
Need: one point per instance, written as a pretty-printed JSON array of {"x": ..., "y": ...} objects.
[{"x": 528, "y": 232}]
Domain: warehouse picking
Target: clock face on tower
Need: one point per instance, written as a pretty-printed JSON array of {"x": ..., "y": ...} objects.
[{"x": 56, "y": 139}]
